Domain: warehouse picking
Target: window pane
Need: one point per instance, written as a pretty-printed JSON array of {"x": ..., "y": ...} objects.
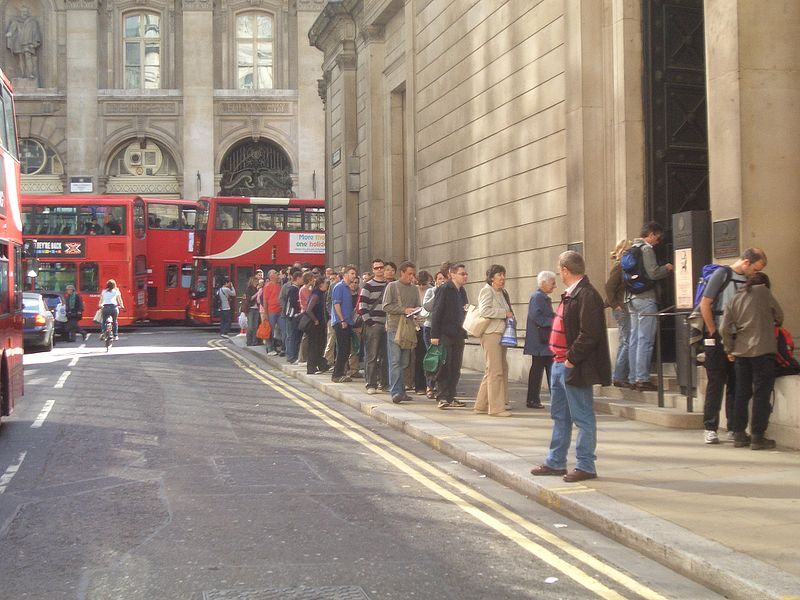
[
  {"x": 55, "y": 277},
  {"x": 3, "y": 132},
  {"x": 188, "y": 218},
  {"x": 269, "y": 219},
  {"x": 163, "y": 216},
  {"x": 294, "y": 221},
  {"x": 90, "y": 278},
  {"x": 264, "y": 77},
  {"x": 264, "y": 26},
  {"x": 244, "y": 26},
  {"x": 245, "y": 77},
  {"x": 265, "y": 54},
  {"x": 132, "y": 57},
  {"x": 246, "y": 217},
  {"x": 11, "y": 126},
  {"x": 172, "y": 276},
  {"x": 32, "y": 156},
  {"x": 186, "y": 275},
  {"x": 132, "y": 78},
  {"x": 28, "y": 220},
  {"x": 152, "y": 68},
  {"x": 132, "y": 26},
  {"x": 152, "y": 26},
  {"x": 226, "y": 217},
  {"x": 4, "y": 287}
]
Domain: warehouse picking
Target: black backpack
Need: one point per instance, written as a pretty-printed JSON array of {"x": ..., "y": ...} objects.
[{"x": 633, "y": 271}]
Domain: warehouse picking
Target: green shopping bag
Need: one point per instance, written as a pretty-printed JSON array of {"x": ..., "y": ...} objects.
[{"x": 435, "y": 357}]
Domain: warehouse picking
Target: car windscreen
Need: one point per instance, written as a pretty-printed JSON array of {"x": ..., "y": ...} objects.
[{"x": 30, "y": 304}]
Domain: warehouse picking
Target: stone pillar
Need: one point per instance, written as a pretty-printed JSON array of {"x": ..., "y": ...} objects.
[
  {"x": 310, "y": 111},
  {"x": 586, "y": 210},
  {"x": 753, "y": 83},
  {"x": 81, "y": 47},
  {"x": 198, "y": 98}
]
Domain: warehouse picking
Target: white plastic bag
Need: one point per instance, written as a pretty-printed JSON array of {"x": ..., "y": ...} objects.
[
  {"x": 61, "y": 313},
  {"x": 242, "y": 321}
]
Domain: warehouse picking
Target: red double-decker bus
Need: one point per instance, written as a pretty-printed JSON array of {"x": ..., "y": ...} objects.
[
  {"x": 170, "y": 244},
  {"x": 236, "y": 236},
  {"x": 85, "y": 241},
  {"x": 11, "y": 269}
]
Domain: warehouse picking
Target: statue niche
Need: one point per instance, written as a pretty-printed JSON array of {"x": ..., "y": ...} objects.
[
  {"x": 23, "y": 39},
  {"x": 257, "y": 168}
]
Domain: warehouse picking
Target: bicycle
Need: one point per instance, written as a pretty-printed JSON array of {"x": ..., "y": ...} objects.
[{"x": 108, "y": 332}]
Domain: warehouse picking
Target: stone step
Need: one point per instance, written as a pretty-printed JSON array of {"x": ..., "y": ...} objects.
[{"x": 676, "y": 418}]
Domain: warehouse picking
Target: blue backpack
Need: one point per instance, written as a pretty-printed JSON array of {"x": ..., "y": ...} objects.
[
  {"x": 633, "y": 272},
  {"x": 702, "y": 284}
]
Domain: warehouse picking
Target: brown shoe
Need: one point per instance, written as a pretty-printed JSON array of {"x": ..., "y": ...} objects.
[
  {"x": 621, "y": 384},
  {"x": 578, "y": 475},
  {"x": 545, "y": 470},
  {"x": 645, "y": 386}
]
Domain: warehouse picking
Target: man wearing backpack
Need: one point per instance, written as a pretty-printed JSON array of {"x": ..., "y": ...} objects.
[
  {"x": 720, "y": 290},
  {"x": 641, "y": 299}
]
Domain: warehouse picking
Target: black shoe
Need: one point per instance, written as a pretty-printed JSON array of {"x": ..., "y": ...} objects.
[
  {"x": 534, "y": 405},
  {"x": 397, "y": 399},
  {"x": 443, "y": 404},
  {"x": 759, "y": 442},
  {"x": 457, "y": 404},
  {"x": 741, "y": 439}
]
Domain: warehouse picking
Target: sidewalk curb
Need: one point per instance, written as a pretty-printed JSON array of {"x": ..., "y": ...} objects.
[{"x": 710, "y": 563}]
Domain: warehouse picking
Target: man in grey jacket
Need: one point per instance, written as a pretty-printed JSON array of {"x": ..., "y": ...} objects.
[{"x": 643, "y": 328}]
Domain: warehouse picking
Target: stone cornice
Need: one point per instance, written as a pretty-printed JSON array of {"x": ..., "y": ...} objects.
[
  {"x": 333, "y": 25},
  {"x": 81, "y": 4},
  {"x": 197, "y": 5},
  {"x": 380, "y": 12}
]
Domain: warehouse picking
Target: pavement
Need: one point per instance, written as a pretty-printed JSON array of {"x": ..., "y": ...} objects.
[{"x": 726, "y": 517}]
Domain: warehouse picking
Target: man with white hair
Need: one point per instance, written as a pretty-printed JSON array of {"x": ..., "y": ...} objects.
[{"x": 537, "y": 336}]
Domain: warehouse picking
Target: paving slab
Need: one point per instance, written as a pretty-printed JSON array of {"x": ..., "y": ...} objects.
[{"x": 696, "y": 508}]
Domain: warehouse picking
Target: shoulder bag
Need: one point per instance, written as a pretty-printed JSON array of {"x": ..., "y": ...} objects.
[{"x": 474, "y": 324}]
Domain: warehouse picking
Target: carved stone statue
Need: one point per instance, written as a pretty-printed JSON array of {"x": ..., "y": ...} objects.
[{"x": 23, "y": 38}]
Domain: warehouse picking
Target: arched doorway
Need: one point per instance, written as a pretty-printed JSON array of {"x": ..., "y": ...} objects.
[{"x": 256, "y": 168}]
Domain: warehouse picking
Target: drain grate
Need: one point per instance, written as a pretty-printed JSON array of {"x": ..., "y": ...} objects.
[{"x": 290, "y": 593}]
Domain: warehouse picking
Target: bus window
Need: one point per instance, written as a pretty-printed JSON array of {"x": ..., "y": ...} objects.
[
  {"x": 294, "y": 219},
  {"x": 101, "y": 220},
  {"x": 172, "y": 276},
  {"x": 28, "y": 225},
  {"x": 138, "y": 218},
  {"x": 163, "y": 216},
  {"x": 220, "y": 275},
  {"x": 18, "y": 277},
  {"x": 314, "y": 219},
  {"x": 188, "y": 217},
  {"x": 245, "y": 217},
  {"x": 199, "y": 278},
  {"x": 56, "y": 276},
  {"x": 269, "y": 218},
  {"x": 226, "y": 216},
  {"x": 89, "y": 278},
  {"x": 11, "y": 126},
  {"x": 186, "y": 275},
  {"x": 4, "y": 287},
  {"x": 140, "y": 265},
  {"x": 3, "y": 131}
]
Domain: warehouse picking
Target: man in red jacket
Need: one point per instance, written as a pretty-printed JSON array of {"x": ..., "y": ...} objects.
[{"x": 579, "y": 343}]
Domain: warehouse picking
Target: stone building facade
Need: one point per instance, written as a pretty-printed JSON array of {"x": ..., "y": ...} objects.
[
  {"x": 507, "y": 131},
  {"x": 168, "y": 97}
]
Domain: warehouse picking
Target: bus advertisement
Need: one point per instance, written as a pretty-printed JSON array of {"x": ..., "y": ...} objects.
[
  {"x": 234, "y": 236},
  {"x": 86, "y": 240},
  {"x": 170, "y": 244},
  {"x": 11, "y": 269}
]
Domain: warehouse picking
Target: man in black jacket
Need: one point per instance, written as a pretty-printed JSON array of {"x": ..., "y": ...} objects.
[
  {"x": 579, "y": 343},
  {"x": 447, "y": 320},
  {"x": 74, "y": 310}
]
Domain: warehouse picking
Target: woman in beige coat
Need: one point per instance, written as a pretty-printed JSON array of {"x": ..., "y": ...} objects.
[{"x": 493, "y": 304}]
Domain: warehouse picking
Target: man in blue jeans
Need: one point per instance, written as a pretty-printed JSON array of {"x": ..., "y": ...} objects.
[
  {"x": 400, "y": 300},
  {"x": 642, "y": 327},
  {"x": 226, "y": 297},
  {"x": 579, "y": 344}
]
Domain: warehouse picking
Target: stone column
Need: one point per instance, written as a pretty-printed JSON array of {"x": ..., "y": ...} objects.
[
  {"x": 198, "y": 98},
  {"x": 586, "y": 210},
  {"x": 81, "y": 46},
  {"x": 310, "y": 111},
  {"x": 753, "y": 86}
]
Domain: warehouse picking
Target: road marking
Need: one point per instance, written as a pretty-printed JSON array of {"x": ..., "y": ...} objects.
[
  {"x": 6, "y": 478},
  {"x": 359, "y": 433},
  {"x": 62, "y": 380},
  {"x": 74, "y": 361},
  {"x": 43, "y": 414}
]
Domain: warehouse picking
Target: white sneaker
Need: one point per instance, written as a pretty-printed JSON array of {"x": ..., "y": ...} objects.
[
  {"x": 711, "y": 437},
  {"x": 729, "y": 436},
  {"x": 225, "y": 335},
  {"x": 372, "y": 391}
]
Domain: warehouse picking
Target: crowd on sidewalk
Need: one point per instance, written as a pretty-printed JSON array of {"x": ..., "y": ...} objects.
[{"x": 408, "y": 330}]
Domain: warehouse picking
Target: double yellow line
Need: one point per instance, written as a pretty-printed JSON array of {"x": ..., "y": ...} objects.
[{"x": 467, "y": 499}]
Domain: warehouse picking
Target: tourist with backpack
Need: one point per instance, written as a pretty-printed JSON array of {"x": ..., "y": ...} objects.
[
  {"x": 748, "y": 336},
  {"x": 615, "y": 299},
  {"x": 719, "y": 290},
  {"x": 641, "y": 271}
]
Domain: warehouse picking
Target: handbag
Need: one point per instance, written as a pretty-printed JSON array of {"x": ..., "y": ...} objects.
[
  {"x": 264, "y": 330},
  {"x": 304, "y": 321},
  {"x": 474, "y": 324},
  {"x": 98, "y": 316}
]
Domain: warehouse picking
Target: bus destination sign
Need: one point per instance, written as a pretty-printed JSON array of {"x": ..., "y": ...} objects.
[{"x": 55, "y": 248}]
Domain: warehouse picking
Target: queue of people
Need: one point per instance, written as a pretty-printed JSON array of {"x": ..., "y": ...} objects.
[{"x": 388, "y": 318}]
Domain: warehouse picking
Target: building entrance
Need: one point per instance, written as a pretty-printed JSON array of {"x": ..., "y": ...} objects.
[{"x": 256, "y": 168}]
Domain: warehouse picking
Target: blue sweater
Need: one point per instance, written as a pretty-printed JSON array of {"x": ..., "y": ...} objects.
[{"x": 540, "y": 316}]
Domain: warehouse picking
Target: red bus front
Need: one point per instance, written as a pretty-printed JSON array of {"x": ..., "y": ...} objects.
[
  {"x": 236, "y": 236},
  {"x": 85, "y": 241},
  {"x": 11, "y": 268},
  {"x": 170, "y": 244}
]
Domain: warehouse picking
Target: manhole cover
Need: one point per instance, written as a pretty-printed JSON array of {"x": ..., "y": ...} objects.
[{"x": 290, "y": 593}]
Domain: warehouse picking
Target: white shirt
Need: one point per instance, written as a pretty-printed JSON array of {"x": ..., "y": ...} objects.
[
  {"x": 571, "y": 288},
  {"x": 109, "y": 297}
]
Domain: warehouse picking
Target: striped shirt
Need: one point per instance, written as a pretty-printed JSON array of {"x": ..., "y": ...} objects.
[
  {"x": 558, "y": 336},
  {"x": 370, "y": 302}
]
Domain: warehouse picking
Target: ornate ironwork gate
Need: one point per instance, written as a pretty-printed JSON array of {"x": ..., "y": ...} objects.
[
  {"x": 675, "y": 119},
  {"x": 256, "y": 168}
]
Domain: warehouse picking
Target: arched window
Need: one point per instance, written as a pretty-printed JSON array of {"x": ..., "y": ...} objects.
[
  {"x": 256, "y": 168},
  {"x": 142, "y": 50},
  {"x": 142, "y": 167},
  {"x": 36, "y": 158},
  {"x": 254, "y": 51}
]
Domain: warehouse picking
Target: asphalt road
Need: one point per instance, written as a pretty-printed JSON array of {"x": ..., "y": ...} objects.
[{"x": 173, "y": 467}]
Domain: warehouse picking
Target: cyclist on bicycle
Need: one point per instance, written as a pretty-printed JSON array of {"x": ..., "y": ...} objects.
[{"x": 111, "y": 303}]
